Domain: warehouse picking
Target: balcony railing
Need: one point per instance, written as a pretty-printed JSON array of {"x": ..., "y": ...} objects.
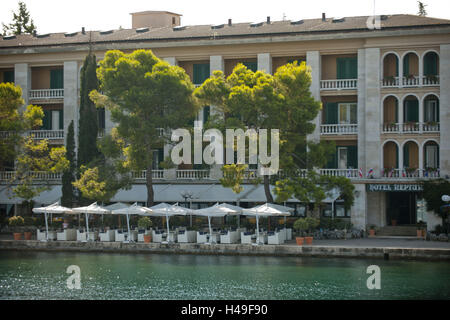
[
  {"x": 430, "y": 80},
  {"x": 349, "y": 173},
  {"x": 339, "y": 128},
  {"x": 412, "y": 81},
  {"x": 142, "y": 175},
  {"x": 413, "y": 127},
  {"x": 339, "y": 84},
  {"x": 193, "y": 174},
  {"x": 37, "y": 175},
  {"x": 47, "y": 94},
  {"x": 46, "y": 134},
  {"x": 410, "y": 173},
  {"x": 390, "y": 82}
]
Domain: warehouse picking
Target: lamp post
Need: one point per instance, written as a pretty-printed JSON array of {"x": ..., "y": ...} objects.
[{"x": 188, "y": 195}]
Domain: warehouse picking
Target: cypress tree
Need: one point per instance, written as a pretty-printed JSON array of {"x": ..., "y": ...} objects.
[
  {"x": 88, "y": 123},
  {"x": 69, "y": 175}
]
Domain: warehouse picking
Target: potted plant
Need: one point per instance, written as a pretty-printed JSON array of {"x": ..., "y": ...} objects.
[
  {"x": 29, "y": 222},
  {"x": 371, "y": 230},
  {"x": 16, "y": 221},
  {"x": 146, "y": 223},
  {"x": 300, "y": 225},
  {"x": 312, "y": 224}
]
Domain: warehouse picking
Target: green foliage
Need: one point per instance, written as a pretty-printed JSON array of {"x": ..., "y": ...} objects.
[
  {"x": 144, "y": 222},
  {"x": 143, "y": 94},
  {"x": 16, "y": 221},
  {"x": 29, "y": 221},
  {"x": 90, "y": 185},
  {"x": 332, "y": 224},
  {"x": 22, "y": 23},
  {"x": 301, "y": 224},
  {"x": 68, "y": 177},
  {"x": 233, "y": 176},
  {"x": 167, "y": 163},
  {"x": 422, "y": 12},
  {"x": 88, "y": 123},
  {"x": 433, "y": 190}
]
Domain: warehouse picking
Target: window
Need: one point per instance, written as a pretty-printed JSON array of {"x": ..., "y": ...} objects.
[
  {"x": 56, "y": 79},
  {"x": 347, "y": 113},
  {"x": 346, "y": 157},
  {"x": 206, "y": 112},
  {"x": 200, "y": 72},
  {"x": 53, "y": 120},
  {"x": 347, "y": 68},
  {"x": 431, "y": 152},
  {"x": 430, "y": 66},
  {"x": 101, "y": 118},
  {"x": 174, "y": 21},
  {"x": 251, "y": 65},
  {"x": 8, "y": 76},
  {"x": 431, "y": 111},
  {"x": 411, "y": 110},
  {"x": 299, "y": 209},
  {"x": 158, "y": 157},
  {"x": 342, "y": 158}
]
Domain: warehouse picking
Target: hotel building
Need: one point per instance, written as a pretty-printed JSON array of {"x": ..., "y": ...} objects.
[{"x": 384, "y": 84}]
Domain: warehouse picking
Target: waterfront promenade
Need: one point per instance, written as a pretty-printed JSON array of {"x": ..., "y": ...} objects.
[{"x": 383, "y": 248}]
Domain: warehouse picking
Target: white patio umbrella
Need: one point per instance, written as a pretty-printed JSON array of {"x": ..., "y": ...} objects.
[
  {"x": 234, "y": 210},
  {"x": 116, "y": 206},
  {"x": 93, "y": 208},
  {"x": 167, "y": 210},
  {"x": 216, "y": 210},
  {"x": 133, "y": 209},
  {"x": 53, "y": 208},
  {"x": 266, "y": 210}
]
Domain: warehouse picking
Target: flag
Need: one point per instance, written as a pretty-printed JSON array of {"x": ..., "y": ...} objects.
[
  {"x": 360, "y": 173},
  {"x": 349, "y": 173},
  {"x": 391, "y": 173},
  {"x": 370, "y": 173},
  {"x": 403, "y": 174}
]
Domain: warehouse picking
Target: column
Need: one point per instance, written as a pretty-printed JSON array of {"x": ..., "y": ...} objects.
[
  {"x": 400, "y": 115},
  {"x": 216, "y": 63},
  {"x": 71, "y": 110},
  {"x": 421, "y": 166},
  {"x": 420, "y": 60},
  {"x": 420, "y": 101},
  {"x": 400, "y": 158},
  {"x": 359, "y": 209},
  {"x": 22, "y": 78},
  {"x": 362, "y": 111},
  {"x": 444, "y": 111},
  {"x": 265, "y": 62},
  {"x": 372, "y": 105},
  {"x": 313, "y": 61},
  {"x": 400, "y": 72}
]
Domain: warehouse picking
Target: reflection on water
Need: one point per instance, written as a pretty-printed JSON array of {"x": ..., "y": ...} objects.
[{"x": 40, "y": 275}]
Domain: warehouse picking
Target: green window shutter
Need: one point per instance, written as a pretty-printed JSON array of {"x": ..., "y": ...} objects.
[
  {"x": 352, "y": 64},
  {"x": 411, "y": 110},
  {"x": 47, "y": 120},
  {"x": 56, "y": 79},
  {"x": 396, "y": 66},
  {"x": 406, "y": 66},
  {"x": 352, "y": 157},
  {"x": 332, "y": 162},
  {"x": 61, "y": 119},
  {"x": 406, "y": 156},
  {"x": 160, "y": 156},
  {"x": 437, "y": 111},
  {"x": 396, "y": 156},
  {"x": 101, "y": 118},
  {"x": 206, "y": 112},
  {"x": 430, "y": 64},
  {"x": 201, "y": 73},
  {"x": 251, "y": 65},
  {"x": 340, "y": 68},
  {"x": 396, "y": 111},
  {"x": 331, "y": 113},
  {"x": 8, "y": 76}
]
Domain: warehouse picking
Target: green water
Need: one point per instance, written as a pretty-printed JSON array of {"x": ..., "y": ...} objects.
[{"x": 40, "y": 275}]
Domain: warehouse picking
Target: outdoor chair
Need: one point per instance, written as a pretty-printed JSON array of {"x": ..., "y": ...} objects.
[
  {"x": 229, "y": 237},
  {"x": 246, "y": 237},
  {"x": 92, "y": 235},
  {"x": 66, "y": 235},
  {"x": 51, "y": 235},
  {"x": 41, "y": 235},
  {"x": 120, "y": 236},
  {"x": 157, "y": 236},
  {"x": 171, "y": 237},
  {"x": 81, "y": 235},
  {"x": 140, "y": 235},
  {"x": 202, "y": 237},
  {"x": 288, "y": 234},
  {"x": 275, "y": 238},
  {"x": 185, "y": 236},
  {"x": 107, "y": 236}
]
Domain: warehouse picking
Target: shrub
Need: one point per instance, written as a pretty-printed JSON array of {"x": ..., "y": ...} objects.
[
  {"x": 144, "y": 222},
  {"x": 301, "y": 224},
  {"x": 29, "y": 221},
  {"x": 16, "y": 221},
  {"x": 313, "y": 223}
]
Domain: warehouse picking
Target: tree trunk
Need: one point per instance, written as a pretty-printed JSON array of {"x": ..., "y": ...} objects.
[
  {"x": 269, "y": 197},
  {"x": 149, "y": 181}
]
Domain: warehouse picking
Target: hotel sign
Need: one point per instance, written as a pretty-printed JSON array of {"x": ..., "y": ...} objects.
[{"x": 394, "y": 187}]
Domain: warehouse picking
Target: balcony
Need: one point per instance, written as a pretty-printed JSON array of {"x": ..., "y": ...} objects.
[
  {"x": 192, "y": 174},
  {"x": 340, "y": 84},
  {"x": 142, "y": 175},
  {"x": 349, "y": 173},
  {"x": 46, "y": 134},
  {"x": 10, "y": 176},
  {"x": 415, "y": 127},
  {"x": 328, "y": 129},
  {"x": 429, "y": 81},
  {"x": 410, "y": 173},
  {"x": 44, "y": 94},
  {"x": 410, "y": 81}
]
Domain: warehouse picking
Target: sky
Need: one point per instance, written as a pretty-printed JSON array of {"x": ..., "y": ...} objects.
[{"x": 69, "y": 16}]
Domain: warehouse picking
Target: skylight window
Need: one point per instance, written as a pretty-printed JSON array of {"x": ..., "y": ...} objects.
[
  {"x": 256, "y": 24},
  {"x": 340, "y": 19},
  {"x": 70, "y": 34},
  {"x": 106, "y": 32},
  {"x": 44, "y": 35},
  {"x": 9, "y": 37},
  {"x": 218, "y": 26},
  {"x": 145, "y": 29},
  {"x": 297, "y": 22},
  {"x": 179, "y": 28}
]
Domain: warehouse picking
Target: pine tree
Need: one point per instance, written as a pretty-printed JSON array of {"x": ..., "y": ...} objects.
[
  {"x": 22, "y": 23},
  {"x": 69, "y": 175},
  {"x": 88, "y": 123},
  {"x": 422, "y": 12}
]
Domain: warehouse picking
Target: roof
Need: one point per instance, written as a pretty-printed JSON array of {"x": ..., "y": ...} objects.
[
  {"x": 147, "y": 12},
  {"x": 238, "y": 30}
]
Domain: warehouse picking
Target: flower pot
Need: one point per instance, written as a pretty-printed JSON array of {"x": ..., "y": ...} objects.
[
  {"x": 393, "y": 222},
  {"x": 17, "y": 236},
  {"x": 371, "y": 232},
  {"x": 308, "y": 240},
  {"x": 419, "y": 233},
  {"x": 299, "y": 240},
  {"x": 27, "y": 235},
  {"x": 424, "y": 233},
  {"x": 147, "y": 238}
]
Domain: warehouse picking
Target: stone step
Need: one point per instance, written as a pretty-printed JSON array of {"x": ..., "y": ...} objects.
[{"x": 398, "y": 231}]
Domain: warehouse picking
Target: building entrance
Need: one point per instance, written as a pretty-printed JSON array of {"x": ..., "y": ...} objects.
[{"x": 401, "y": 208}]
